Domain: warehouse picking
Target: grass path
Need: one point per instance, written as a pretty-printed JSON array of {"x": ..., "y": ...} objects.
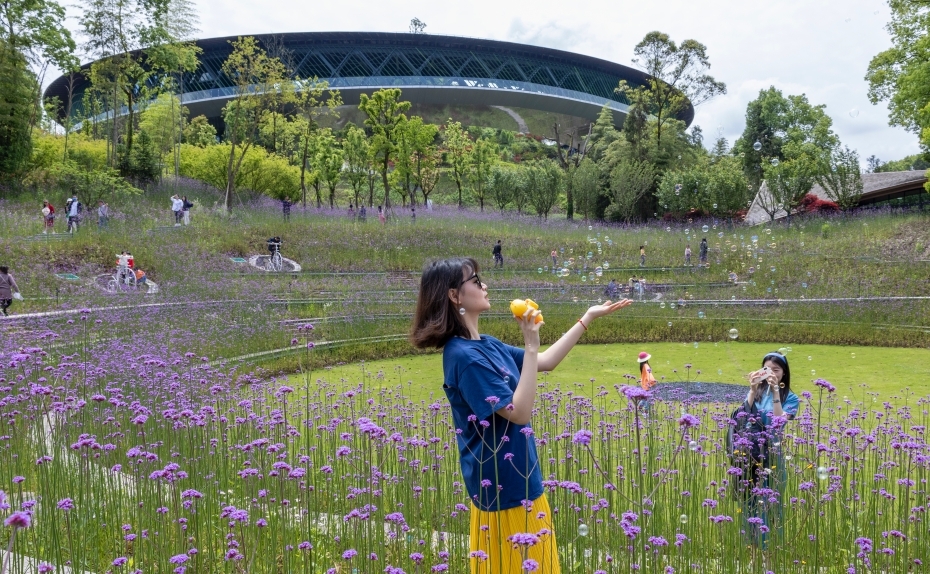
[{"x": 887, "y": 371}]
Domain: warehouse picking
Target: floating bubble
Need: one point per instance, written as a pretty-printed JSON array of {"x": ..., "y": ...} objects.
[
  {"x": 574, "y": 299},
  {"x": 757, "y": 146},
  {"x": 804, "y": 285},
  {"x": 813, "y": 372},
  {"x": 662, "y": 305},
  {"x": 822, "y": 473},
  {"x": 582, "y": 530},
  {"x": 606, "y": 265},
  {"x": 852, "y": 355},
  {"x": 693, "y": 446},
  {"x": 809, "y": 358},
  {"x": 671, "y": 305},
  {"x": 733, "y": 248},
  {"x": 590, "y": 254},
  {"x": 584, "y": 278},
  {"x": 783, "y": 350},
  {"x": 769, "y": 231},
  {"x": 715, "y": 207},
  {"x": 668, "y": 229},
  {"x": 854, "y": 113},
  {"x": 683, "y": 518},
  {"x": 590, "y": 227},
  {"x": 701, "y": 314},
  {"x": 720, "y": 235},
  {"x": 539, "y": 270},
  {"x": 705, "y": 229},
  {"x": 772, "y": 270},
  {"x": 733, "y": 333},
  {"x": 669, "y": 323},
  {"x": 677, "y": 191},
  {"x": 599, "y": 271},
  {"x": 754, "y": 239},
  {"x": 695, "y": 344},
  {"x": 774, "y": 162}
]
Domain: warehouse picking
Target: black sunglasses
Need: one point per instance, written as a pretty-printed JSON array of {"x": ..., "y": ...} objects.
[{"x": 475, "y": 277}]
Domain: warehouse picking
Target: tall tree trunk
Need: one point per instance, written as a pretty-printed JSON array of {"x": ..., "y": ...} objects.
[{"x": 384, "y": 179}]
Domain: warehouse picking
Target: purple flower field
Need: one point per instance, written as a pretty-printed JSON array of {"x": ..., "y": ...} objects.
[{"x": 135, "y": 457}]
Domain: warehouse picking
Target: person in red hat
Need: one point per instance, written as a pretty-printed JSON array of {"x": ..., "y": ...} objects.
[{"x": 646, "y": 380}]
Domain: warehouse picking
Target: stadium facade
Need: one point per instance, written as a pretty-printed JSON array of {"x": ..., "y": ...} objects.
[{"x": 429, "y": 69}]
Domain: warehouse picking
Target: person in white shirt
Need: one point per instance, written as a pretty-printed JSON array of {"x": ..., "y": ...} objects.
[{"x": 177, "y": 205}]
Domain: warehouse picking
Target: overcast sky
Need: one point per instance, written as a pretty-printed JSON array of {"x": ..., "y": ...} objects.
[{"x": 817, "y": 47}]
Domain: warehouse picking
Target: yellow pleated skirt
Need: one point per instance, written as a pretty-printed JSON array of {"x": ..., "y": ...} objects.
[{"x": 490, "y": 532}]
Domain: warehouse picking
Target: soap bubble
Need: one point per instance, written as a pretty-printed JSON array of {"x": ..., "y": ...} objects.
[
  {"x": 854, "y": 113},
  {"x": 668, "y": 229},
  {"x": 683, "y": 518},
  {"x": 733, "y": 333},
  {"x": 813, "y": 373},
  {"x": 719, "y": 371},
  {"x": 662, "y": 305},
  {"x": 669, "y": 323},
  {"x": 606, "y": 265},
  {"x": 852, "y": 355},
  {"x": 757, "y": 146},
  {"x": 720, "y": 235},
  {"x": 809, "y": 358},
  {"x": 772, "y": 270},
  {"x": 590, "y": 227},
  {"x": 705, "y": 229},
  {"x": 733, "y": 248},
  {"x": 582, "y": 530},
  {"x": 804, "y": 285},
  {"x": 715, "y": 207},
  {"x": 774, "y": 162},
  {"x": 574, "y": 299},
  {"x": 822, "y": 473},
  {"x": 752, "y": 270},
  {"x": 539, "y": 270},
  {"x": 693, "y": 446},
  {"x": 695, "y": 344},
  {"x": 584, "y": 278},
  {"x": 671, "y": 306},
  {"x": 599, "y": 271},
  {"x": 701, "y": 314},
  {"x": 783, "y": 350}
]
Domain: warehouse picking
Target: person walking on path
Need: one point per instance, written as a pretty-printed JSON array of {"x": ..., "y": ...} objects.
[
  {"x": 177, "y": 205},
  {"x": 8, "y": 289},
  {"x": 48, "y": 216},
  {"x": 73, "y": 208},
  {"x": 491, "y": 388},
  {"x": 103, "y": 215},
  {"x": 612, "y": 290},
  {"x": 702, "y": 252},
  {"x": 642, "y": 255},
  {"x": 688, "y": 254},
  {"x": 555, "y": 258},
  {"x": 498, "y": 256},
  {"x": 186, "y": 210},
  {"x": 362, "y": 214},
  {"x": 413, "y": 215},
  {"x": 286, "y": 208},
  {"x": 381, "y": 215}
]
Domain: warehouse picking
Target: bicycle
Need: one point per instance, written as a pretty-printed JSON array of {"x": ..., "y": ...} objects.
[
  {"x": 275, "y": 261},
  {"x": 124, "y": 276}
]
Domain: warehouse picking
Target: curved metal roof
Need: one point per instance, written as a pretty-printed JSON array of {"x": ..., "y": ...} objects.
[{"x": 428, "y": 68}]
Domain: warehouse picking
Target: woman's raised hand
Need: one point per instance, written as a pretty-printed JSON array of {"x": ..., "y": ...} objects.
[
  {"x": 607, "y": 308},
  {"x": 530, "y": 328}
]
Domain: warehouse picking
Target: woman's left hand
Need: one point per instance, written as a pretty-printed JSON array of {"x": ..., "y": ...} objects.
[{"x": 607, "y": 308}]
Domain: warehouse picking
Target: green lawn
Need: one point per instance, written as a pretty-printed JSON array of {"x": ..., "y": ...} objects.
[{"x": 887, "y": 371}]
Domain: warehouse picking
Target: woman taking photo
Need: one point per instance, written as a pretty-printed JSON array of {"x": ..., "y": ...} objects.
[
  {"x": 769, "y": 396},
  {"x": 491, "y": 388}
]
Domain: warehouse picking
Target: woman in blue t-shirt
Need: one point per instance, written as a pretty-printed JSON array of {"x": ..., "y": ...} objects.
[
  {"x": 770, "y": 393},
  {"x": 492, "y": 390}
]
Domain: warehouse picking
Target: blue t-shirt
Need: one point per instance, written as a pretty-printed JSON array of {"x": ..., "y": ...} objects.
[
  {"x": 475, "y": 371},
  {"x": 789, "y": 405}
]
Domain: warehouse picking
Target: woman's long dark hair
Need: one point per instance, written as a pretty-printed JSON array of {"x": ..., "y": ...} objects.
[
  {"x": 437, "y": 319},
  {"x": 781, "y": 361}
]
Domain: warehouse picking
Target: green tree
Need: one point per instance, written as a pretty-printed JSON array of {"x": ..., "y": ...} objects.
[
  {"x": 328, "y": 160},
  {"x": 521, "y": 191},
  {"x": 311, "y": 105},
  {"x": 677, "y": 78},
  {"x": 898, "y": 75},
  {"x": 458, "y": 146},
  {"x": 630, "y": 180},
  {"x": 200, "y": 132},
  {"x": 786, "y": 185},
  {"x": 482, "y": 157},
  {"x": 544, "y": 183},
  {"x": 502, "y": 180},
  {"x": 160, "y": 118},
  {"x": 16, "y": 111},
  {"x": 785, "y": 128},
  {"x": 91, "y": 185},
  {"x": 355, "y": 153},
  {"x": 385, "y": 112},
  {"x": 256, "y": 78},
  {"x": 841, "y": 178},
  {"x": 414, "y": 141},
  {"x": 428, "y": 173},
  {"x": 586, "y": 181}
]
